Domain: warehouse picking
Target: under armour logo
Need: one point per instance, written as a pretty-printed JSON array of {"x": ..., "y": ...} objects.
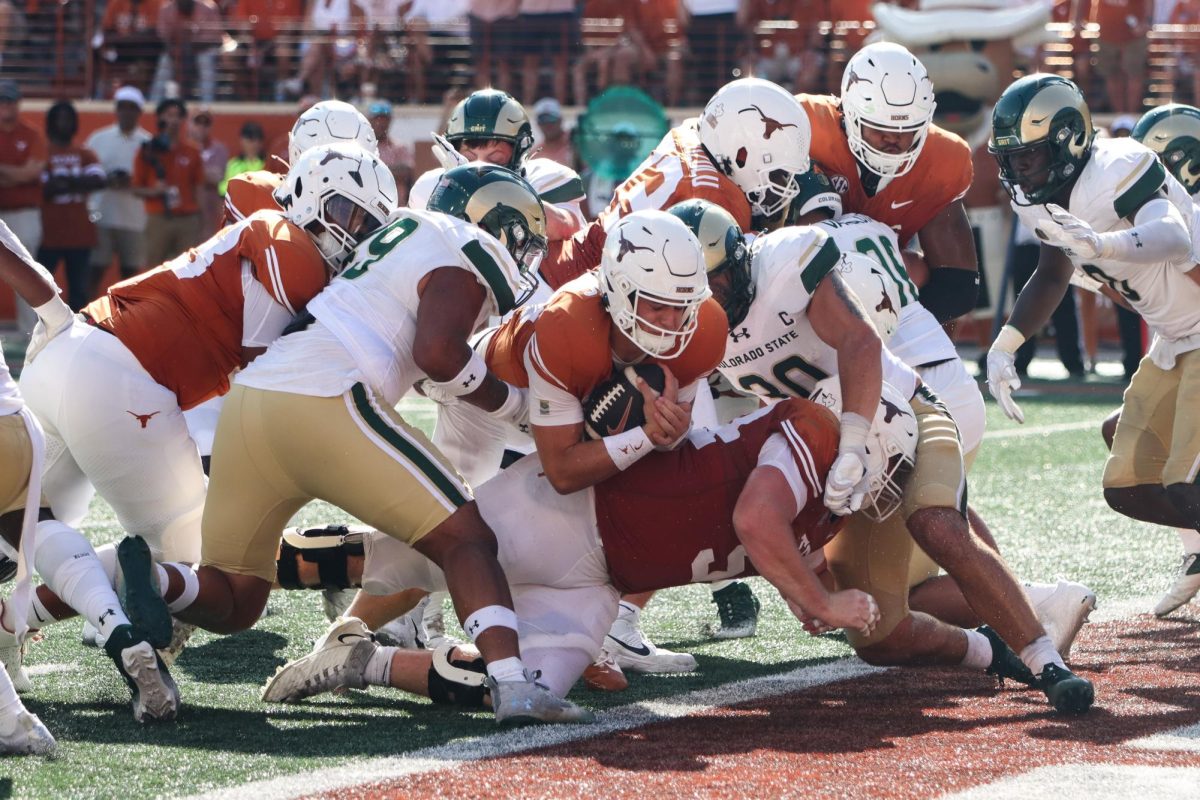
[
  {"x": 470, "y": 379},
  {"x": 108, "y": 612},
  {"x": 628, "y": 247},
  {"x": 1137, "y": 239},
  {"x": 736, "y": 336},
  {"x": 769, "y": 125},
  {"x": 473, "y": 628},
  {"x": 142, "y": 418}
]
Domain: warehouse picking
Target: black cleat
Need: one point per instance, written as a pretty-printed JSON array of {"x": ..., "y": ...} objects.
[
  {"x": 1006, "y": 663},
  {"x": 1066, "y": 691},
  {"x": 155, "y": 696},
  {"x": 137, "y": 588}
]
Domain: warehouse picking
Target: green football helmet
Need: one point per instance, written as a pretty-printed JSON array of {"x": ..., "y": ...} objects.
[
  {"x": 492, "y": 114},
  {"x": 724, "y": 251},
  {"x": 1173, "y": 131},
  {"x": 502, "y": 203},
  {"x": 1047, "y": 113}
]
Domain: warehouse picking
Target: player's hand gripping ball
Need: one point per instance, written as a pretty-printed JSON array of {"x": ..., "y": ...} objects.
[{"x": 615, "y": 406}]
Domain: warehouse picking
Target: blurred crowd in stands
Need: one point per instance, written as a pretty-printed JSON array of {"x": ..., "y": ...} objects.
[{"x": 413, "y": 51}]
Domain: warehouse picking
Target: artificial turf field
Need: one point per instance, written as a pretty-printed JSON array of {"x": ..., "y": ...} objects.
[{"x": 1037, "y": 485}]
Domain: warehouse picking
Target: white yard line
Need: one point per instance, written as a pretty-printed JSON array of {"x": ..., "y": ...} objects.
[{"x": 622, "y": 718}]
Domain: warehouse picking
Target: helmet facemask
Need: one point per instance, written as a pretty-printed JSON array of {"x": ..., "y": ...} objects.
[
  {"x": 526, "y": 247},
  {"x": 739, "y": 294},
  {"x": 886, "y": 492},
  {"x": 343, "y": 223},
  {"x": 624, "y": 301},
  {"x": 775, "y": 191},
  {"x": 881, "y": 162}
]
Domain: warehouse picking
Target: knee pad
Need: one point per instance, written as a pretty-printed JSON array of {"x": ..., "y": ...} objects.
[
  {"x": 329, "y": 548},
  {"x": 457, "y": 682}
]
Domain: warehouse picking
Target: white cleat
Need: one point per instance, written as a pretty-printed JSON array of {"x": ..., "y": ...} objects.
[
  {"x": 401, "y": 632},
  {"x": 336, "y": 662},
  {"x": 91, "y": 636},
  {"x": 632, "y": 651},
  {"x": 432, "y": 626},
  {"x": 528, "y": 702},
  {"x": 12, "y": 655},
  {"x": 155, "y": 695},
  {"x": 1062, "y": 613},
  {"x": 334, "y": 602},
  {"x": 24, "y": 734},
  {"x": 181, "y": 632},
  {"x": 1183, "y": 587}
]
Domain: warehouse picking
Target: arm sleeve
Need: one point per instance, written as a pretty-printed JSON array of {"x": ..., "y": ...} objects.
[
  {"x": 263, "y": 319},
  {"x": 1159, "y": 233},
  {"x": 950, "y": 292}
]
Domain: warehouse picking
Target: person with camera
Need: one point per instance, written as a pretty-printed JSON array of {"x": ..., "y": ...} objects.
[
  {"x": 120, "y": 215},
  {"x": 168, "y": 174}
]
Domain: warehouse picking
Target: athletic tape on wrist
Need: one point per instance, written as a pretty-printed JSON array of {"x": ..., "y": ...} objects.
[
  {"x": 489, "y": 617},
  {"x": 854, "y": 430},
  {"x": 468, "y": 378},
  {"x": 625, "y": 449},
  {"x": 1008, "y": 340},
  {"x": 54, "y": 313}
]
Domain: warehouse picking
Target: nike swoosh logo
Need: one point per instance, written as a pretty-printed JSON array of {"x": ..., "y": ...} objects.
[
  {"x": 343, "y": 636},
  {"x": 644, "y": 650},
  {"x": 620, "y": 426},
  {"x": 901, "y": 205}
]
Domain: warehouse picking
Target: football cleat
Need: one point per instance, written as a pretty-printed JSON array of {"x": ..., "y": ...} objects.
[
  {"x": 24, "y": 734},
  {"x": 1183, "y": 587},
  {"x": 138, "y": 591},
  {"x": 1063, "y": 612},
  {"x": 335, "y": 602},
  {"x": 12, "y": 654},
  {"x": 181, "y": 632},
  {"x": 337, "y": 662},
  {"x": 1006, "y": 663},
  {"x": 527, "y": 702},
  {"x": 605, "y": 674},
  {"x": 632, "y": 651},
  {"x": 155, "y": 696},
  {"x": 91, "y": 635},
  {"x": 432, "y": 627},
  {"x": 737, "y": 608},
  {"x": 1066, "y": 691},
  {"x": 403, "y": 632}
]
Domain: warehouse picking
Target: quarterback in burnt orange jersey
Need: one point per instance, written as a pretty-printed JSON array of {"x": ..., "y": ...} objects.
[
  {"x": 110, "y": 390},
  {"x": 885, "y": 157},
  {"x": 742, "y": 153}
]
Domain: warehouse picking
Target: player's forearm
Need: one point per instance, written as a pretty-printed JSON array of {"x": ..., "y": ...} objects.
[
  {"x": 560, "y": 224},
  {"x": 860, "y": 373},
  {"x": 1042, "y": 294},
  {"x": 582, "y": 464},
  {"x": 771, "y": 546},
  {"x": 22, "y": 273}
]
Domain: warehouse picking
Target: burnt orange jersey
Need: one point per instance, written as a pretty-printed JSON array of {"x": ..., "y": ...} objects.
[
  {"x": 572, "y": 349},
  {"x": 941, "y": 175},
  {"x": 668, "y": 519},
  {"x": 679, "y": 169},
  {"x": 250, "y": 192},
  {"x": 183, "y": 320}
]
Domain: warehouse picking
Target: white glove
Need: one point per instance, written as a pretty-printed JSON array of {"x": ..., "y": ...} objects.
[
  {"x": 445, "y": 153},
  {"x": 847, "y": 483},
  {"x": 1073, "y": 234},
  {"x": 10, "y": 241},
  {"x": 1002, "y": 378},
  {"x": 46, "y": 329},
  {"x": 436, "y": 393}
]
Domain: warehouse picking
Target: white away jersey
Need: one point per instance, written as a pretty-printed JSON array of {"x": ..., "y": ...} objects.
[
  {"x": 10, "y": 396},
  {"x": 367, "y": 317},
  {"x": 919, "y": 339},
  {"x": 556, "y": 185},
  {"x": 1118, "y": 178},
  {"x": 774, "y": 352}
]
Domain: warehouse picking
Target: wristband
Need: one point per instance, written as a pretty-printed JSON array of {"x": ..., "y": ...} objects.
[
  {"x": 854, "y": 428},
  {"x": 468, "y": 379},
  {"x": 625, "y": 449},
  {"x": 1008, "y": 340},
  {"x": 54, "y": 313}
]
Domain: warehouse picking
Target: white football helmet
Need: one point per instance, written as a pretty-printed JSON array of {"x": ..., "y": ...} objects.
[
  {"x": 330, "y": 122},
  {"x": 758, "y": 134},
  {"x": 891, "y": 445},
  {"x": 878, "y": 292},
  {"x": 886, "y": 88},
  {"x": 652, "y": 255},
  {"x": 340, "y": 194}
]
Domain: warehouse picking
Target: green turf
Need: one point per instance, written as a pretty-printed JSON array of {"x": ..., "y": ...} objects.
[{"x": 1040, "y": 493}]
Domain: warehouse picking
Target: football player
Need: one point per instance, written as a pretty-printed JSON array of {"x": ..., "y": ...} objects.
[
  {"x": 60, "y": 554},
  {"x": 776, "y": 350},
  {"x": 314, "y": 417},
  {"x": 111, "y": 389},
  {"x": 327, "y": 122},
  {"x": 491, "y": 126},
  {"x": 1109, "y": 209},
  {"x": 756, "y": 485}
]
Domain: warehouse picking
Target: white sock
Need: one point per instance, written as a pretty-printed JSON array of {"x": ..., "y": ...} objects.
[
  {"x": 1190, "y": 540},
  {"x": 717, "y": 586},
  {"x": 1040, "y": 652},
  {"x": 10, "y": 704},
  {"x": 191, "y": 585},
  {"x": 979, "y": 651},
  {"x": 69, "y": 566},
  {"x": 507, "y": 669},
  {"x": 379, "y": 668}
]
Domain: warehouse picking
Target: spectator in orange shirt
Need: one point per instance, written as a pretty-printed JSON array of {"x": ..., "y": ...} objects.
[
  {"x": 129, "y": 41},
  {"x": 168, "y": 174},
  {"x": 1122, "y": 49},
  {"x": 22, "y": 158},
  {"x": 72, "y": 172}
]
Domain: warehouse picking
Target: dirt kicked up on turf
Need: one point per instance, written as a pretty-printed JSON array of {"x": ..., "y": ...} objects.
[{"x": 894, "y": 734}]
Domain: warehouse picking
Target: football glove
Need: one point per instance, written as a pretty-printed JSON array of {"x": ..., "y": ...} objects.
[
  {"x": 445, "y": 152},
  {"x": 1002, "y": 378},
  {"x": 849, "y": 478},
  {"x": 1072, "y": 233}
]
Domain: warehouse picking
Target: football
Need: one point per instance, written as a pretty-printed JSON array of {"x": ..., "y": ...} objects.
[{"x": 615, "y": 406}]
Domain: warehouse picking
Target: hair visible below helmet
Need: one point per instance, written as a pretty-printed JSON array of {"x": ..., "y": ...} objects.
[
  {"x": 345, "y": 189},
  {"x": 758, "y": 134},
  {"x": 878, "y": 293},
  {"x": 724, "y": 250},
  {"x": 652, "y": 255},
  {"x": 502, "y": 203},
  {"x": 330, "y": 122},
  {"x": 886, "y": 88},
  {"x": 1041, "y": 111},
  {"x": 1173, "y": 131},
  {"x": 891, "y": 445},
  {"x": 492, "y": 114}
]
